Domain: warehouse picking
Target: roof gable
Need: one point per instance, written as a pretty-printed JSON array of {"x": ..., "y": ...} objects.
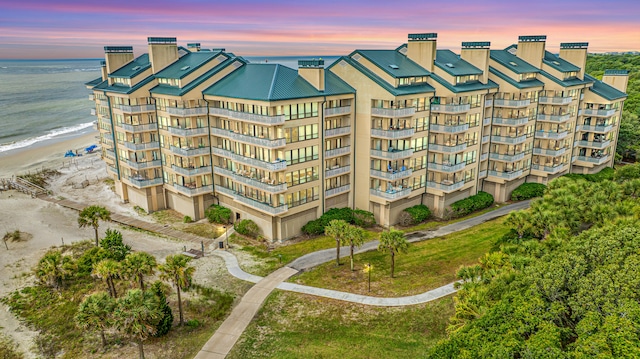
[
  {"x": 512, "y": 62},
  {"x": 451, "y": 63},
  {"x": 392, "y": 62}
]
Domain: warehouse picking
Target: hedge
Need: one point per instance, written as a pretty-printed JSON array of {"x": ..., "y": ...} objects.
[
  {"x": 470, "y": 204},
  {"x": 358, "y": 217},
  {"x": 218, "y": 214},
  {"x": 418, "y": 213},
  {"x": 247, "y": 227},
  {"x": 606, "y": 174},
  {"x": 527, "y": 191}
]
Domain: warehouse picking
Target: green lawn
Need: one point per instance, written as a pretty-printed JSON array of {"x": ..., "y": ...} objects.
[
  {"x": 427, "y": 264},
  {"x": 292, "y": 325}
]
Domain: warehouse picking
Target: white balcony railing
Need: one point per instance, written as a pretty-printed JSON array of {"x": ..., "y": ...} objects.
[
  {"x": 269, "y": 166},
  {"x": 552, "y": 134},
  {"x": 391, "y": 194},
  {"x": 335, "y": 111},
  {"x": 596, "y": 128},
  {"x": 337, "y": 171},
  {"x": 558, "y": 100},
  {"x": 188, "y": 152},
  {"x": 337, "y": 152},
  {"x": 188, "y": 132},
  {"x": 391, "y": 175},
  {"x": 262, "y": 184},
  {"x": 191, "y": 171},
  {"x": 137, "y": 108},
  {"x": 184, "y": 112},
  {"x": 193, "y": 191},
  {"x": 392, "y": 134},
  {"x": 597, "y": 113},
  {"x": 258, "y": 141},
  {"x": 250, "y": 117},
  {"x": 143, "y": 165},
  {"x": 448, "y": 148},
  {"x": 392, "y": 155},
  {"x": 338, "y": 190},
  {"x": 142, "y": 146},
  {"x": 339, "y": 131},
  {"x": 393, "y": 112},
  {"x": 138, "y": 128},
  {"x": 549, "y": 152},
  {"x": 506, "y": 158},
  {"x": 434, "y": 127},
  {"x": 508, "y": 175},
  {"x": 594, "y": 144},
  {"x": 554, "y": 118},
  {"x": 548, "y": 169},
  {"x": 510, "y": 121},
  {"x": 508, "y": 139},
  {"x": 451, "y": 108},
  {"x": 446, "y": 167},
  {"x": 445, "y": 186},
  {"x": 512, "y": 103}
]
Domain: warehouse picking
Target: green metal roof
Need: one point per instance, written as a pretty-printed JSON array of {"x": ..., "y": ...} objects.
[
  {"x": 395, "y": 91},
  {"x": 177, "y": 91},
  {"x": 273, "y": 82},
  {"x": 602, "y": 89},
  {"x": 558, "y": 63},
  {"x": 133, "y": 68},
  {"x": 451, "y": 63},
  {"x": 104, "y": 85},
  {"x": 512, "y": 62},
  {"x": 518, "y": 84},
  {"x": 473, "y": 86},
  {"x": 392, "y": 62},
  {"x": 566, "y": 83},
  {"x": 94, "y": 82},
  {"x": 187, "y": 64}
]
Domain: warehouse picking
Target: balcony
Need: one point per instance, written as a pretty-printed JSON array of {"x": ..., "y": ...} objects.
[
  {"x": 138, "y": 128},
  {"x": 112, "y": 169},
  {"x": 249, "y": 161},
  {"x": 549, "y": 152},
  {"x": 506, "y": 158},
  {"x": 445, "y": 186},
  {"x": 554, "y": 118},
  {"x": 486, "y": 121},
  {"x": 336, "y": 191},
  {"x": 142, "y": 146},
  {"x": 143, "y": 165},
  {"x": 509, "y": 139},
  {"x": 482, "y": 174},
  {"x": 188, "y": 132},
  {"x": 552, "y": 135},
  {"x": 336, "y": 111},
  {"x": 103, "y": 102},
  {"x": 548, "y": 169},
  {"x": 512, "y": 103},
  {"x": 137, "y": 108},
  {"x": 451, "y": 108},
  {"x": 337, "y": 152},
  {"x": 597, "y": 113},
  {"x": 263, "y": 184},
  {"x": 92, "y": 97},
  {"x": 393, "y": 112},
  {"x": 337, "y": 171},
  {"x": 446, "y": 167},
  {"x": 488, "y": 103},
  {"x": 189, "y": 152},
  {"x": 594, "y": 160},
  {"x": 447, "y": 148},
  {"x": 556, "y": 100},
  {"x": 392, "y": 134},
  {"x": 142, "y": 182},
  {"x": 434, "y": 127},
  {"x": 392, "y": 155},
  {"x": 391, "y": 176},
  {"x": 109, "y": 154},
  {"x": 184, "y": 112},
  {"x": 510, "y": 121},
  {"x": 107, "y": 138},
  {"x": 596, "y": 128},
  {"x": 258, "y": 141},
  {"x": 390, "y": 194},
  {"x": 339, "y": 131},
  {"x": 484, "y": 156},
  {"x": 593, "y": 144},
  {"x": 93, "y": 112},
  {"x": 191, "y": 171},
  {"x": 193, "y": 190},
  {"x": 486, "y": 139},
  {"x": 506, "y": 175},
  {"x": 249, "y": 117}
]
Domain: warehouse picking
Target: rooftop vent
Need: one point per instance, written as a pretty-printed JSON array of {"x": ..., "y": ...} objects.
[
  {"x": 512, "y": 63},
  {"x": 184, "y": 68},
  {"x": 555, "y": 62},
  {"x": 136, "y": 68},
  {"x": 448, "y": 64},
  {"x": 395, "y": 67},
  {"x": 356, "y": 57}
]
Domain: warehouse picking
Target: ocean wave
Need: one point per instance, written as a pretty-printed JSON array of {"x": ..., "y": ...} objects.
[{"x": 52, "y": 134}]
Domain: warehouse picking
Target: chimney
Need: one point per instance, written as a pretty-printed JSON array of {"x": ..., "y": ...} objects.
[
  {"x": 163, "y": 51},
  {"x": 313, "y": 72},
  {"x": 194, "y": 47},
  {"x": 477, "y": 54},
  {"x": 421, "y": 48},
  {"x": 117, "y": 56},
  {"x": 617, "y": 79},
  {"x": 103, "y": 69},
  {"x": 575, "y": 53},
  {"x": 531, "y": 49}
]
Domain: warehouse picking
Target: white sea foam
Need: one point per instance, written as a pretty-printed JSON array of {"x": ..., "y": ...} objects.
[{"x": 52, "y": 134}]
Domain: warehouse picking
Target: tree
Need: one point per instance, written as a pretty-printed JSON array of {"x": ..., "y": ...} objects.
[
  {"x": 91, "y": 216},
  {"x": 136, "y": 316},
  {"x": 138, "y": 265},
  {"x": 94, "y": 313},
  {"x": 108, "y": 269},
  {"x": 394, "y": 242},
  {"x": 337, "y": 228},
  {"x": 113, "y": 244},
  {"x": 354, "y": 237},
  {"x": 53, "y": 268},
  {"x": 164, "y": 325},
  {"x": 176, "y": 271}
]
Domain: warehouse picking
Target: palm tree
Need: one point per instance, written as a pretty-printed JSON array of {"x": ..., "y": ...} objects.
[
  {"x": 108, "y": 269},
  {"x": 336, "y": 229},
  {"x": 53, "y": 268},
  {"x": 136, "y": 316},
  {"x": 394, "y": 242},
  {"x": 90, "y": 217},
  {"x": 138, "y": 265},
  {"x": 176, "y": 271},
  {"x": 354, "y": 237},
  {"x": 94, "y": 313}
]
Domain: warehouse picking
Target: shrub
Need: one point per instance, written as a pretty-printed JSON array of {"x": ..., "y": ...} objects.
[
  {"x": 606, "y": 174},
  {"x": 471, "y": 204},
  {"x": 193, "y": 323},
  {"x": 247, "y": 227},
  {"x": 358, "y": 217},
  {"x": 187, "y": 219},
  {"x": 113, "y": 245},
  {"x": 405, "y": 219},
  {"x": 626, "y": 173},
  {"x": 90, "y": 258},
  {"x": 528, "y": 190},
  {"x": 218, "y": 214},
  {"x": 164, "y": 325},
  {"x": 419, "y": 213},
  {"x": 313, "y": 227},
  {"x": 363, "y": 218}
]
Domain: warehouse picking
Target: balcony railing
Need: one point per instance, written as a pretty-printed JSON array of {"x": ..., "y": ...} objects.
[
  {"x": 446, "y": 167},
  {"x": 486, "y": 138},
  {"x": 103, "y": 102},
  {"x": 391, "y": 176},
  {"x": 434, "y": 127},
  {"x": 445, "y": 186},
  {"x": 484, "y": 156},
  {"x": 482, "y": 174},
  {"x": 595, "y": 160},
  {"x": 512, "y": 103},
  {"x": 392, "y": 155},
  {"x": 548, "y": 169},
  {"x": 336, "y": 171},
  {"x": 393, "y": 112},
  {"x": 253, "y": 182},
  {"x": 112, "y": 169},
  {"x": 261, "y": 206},
  {"x": 193, "y": 191},
  {"x": 488, "y": 103},
  {"x": 597, "y": 113},
  {"x": 141, "y": 182},
  {"x": 258, "y": 141},
  {"x": 510, "y": 121},
  {"x": 143, "y": 165},
  {"x": 137, "y": 108},
  {"x": 92, "y": 97},
  {"x": 554, "y": 118},
  {"x": 391, "y": 194},
  {"x": 142, "y": 146},
  {"x": 506, "y": 158},
  {"x": 191, "y": 171},
  {"x": 549, "y": 152},
  {"x": 93, "y": 112},
  {"x": 188, "y": 152},
  {"x": 451, "y": 108},
  {"x": 448, "y": 148},
  {"x": 337, "y": 152},
  {"x": 552, "y": 134},
  {"x": 250, "y": 117},
  {"x": 335, "y": 111},
  {"x": 110, "y": 154},
  {"x": 392, "y": 134},
  {"x": 596, "y": 128},
  {"x": 138, "y": 128},
  {"x": 486, "y": 121},
  {"x": 269, "y": 166},
  {"x": 339, "y": 131},
  {"x": 559, "y": 100},
  {"x": 506, "y": 175},
  {"x": 188, "y": 132},
  {"x": 594, "y": 144},
  {"x": 508, "y": 139},
  {"x": 183, "y": 112},
  {"x": 337, "y": 190}
]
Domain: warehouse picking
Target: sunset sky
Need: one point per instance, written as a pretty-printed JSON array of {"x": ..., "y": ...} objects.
[{"x": 31, "y": 29}]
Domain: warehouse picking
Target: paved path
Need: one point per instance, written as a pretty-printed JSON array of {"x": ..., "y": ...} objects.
[{"x": 220, "y": 344}]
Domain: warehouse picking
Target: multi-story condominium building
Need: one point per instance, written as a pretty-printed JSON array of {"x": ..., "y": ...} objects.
[{"x": 185, "y": 128}]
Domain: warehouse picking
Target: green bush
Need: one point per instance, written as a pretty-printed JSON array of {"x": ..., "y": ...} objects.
[
  {"x": 358, "y": 217},
  {"x": 218, "y": 214},
  {"x": 187, "y": 219},
  {"x": 90, "y": 258},
  {"x": 606, "y": 174},
  {"x": 164, "y": 325},
  {"x": 314, "y": 227},
  {"x": 527, "y": 191},
  {"x": 112, "y": 243},
  {"x": 626, "y": 173},
  {"x": 247, "y": 227},
  {"x": 362, "y": 218},
  {"x": 470, "y": 204},
  {"x": 419, "y": 213}
]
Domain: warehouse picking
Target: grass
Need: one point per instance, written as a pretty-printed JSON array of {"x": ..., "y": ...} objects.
[
  {"x": 427, "y": 265},
  {"x": 292, "y": 325},
  {"x": 8, "y": 349},
  {"x": 435, "y": 222},
  {"x": 176, "y": 221}
]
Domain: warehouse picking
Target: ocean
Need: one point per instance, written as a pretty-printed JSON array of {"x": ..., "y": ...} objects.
[{"x": 46, "y": 100}]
